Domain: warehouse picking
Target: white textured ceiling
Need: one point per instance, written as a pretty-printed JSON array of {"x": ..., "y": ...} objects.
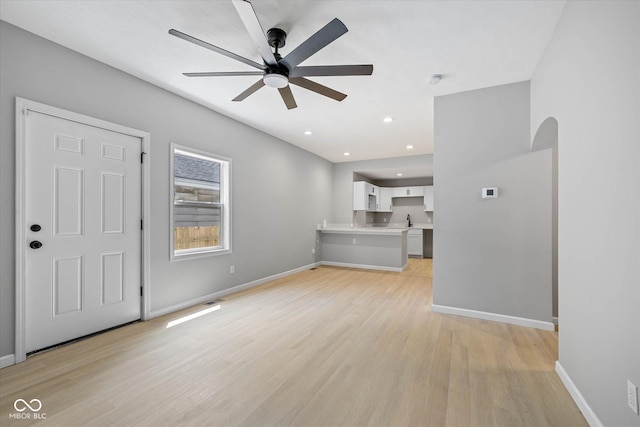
[{"x": 474, "y": 44}]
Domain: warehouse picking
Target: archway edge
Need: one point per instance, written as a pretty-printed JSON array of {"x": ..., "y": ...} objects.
[{"x": 546, "y": 135}]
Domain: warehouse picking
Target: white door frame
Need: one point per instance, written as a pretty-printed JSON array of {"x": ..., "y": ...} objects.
[{"x": 23, "y": 106}]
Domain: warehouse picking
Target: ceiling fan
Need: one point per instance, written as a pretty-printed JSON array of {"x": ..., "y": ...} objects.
[{"x": 278, "y": 71}]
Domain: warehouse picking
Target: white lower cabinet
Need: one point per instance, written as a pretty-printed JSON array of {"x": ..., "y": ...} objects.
[{"x": 414, "y": 242}]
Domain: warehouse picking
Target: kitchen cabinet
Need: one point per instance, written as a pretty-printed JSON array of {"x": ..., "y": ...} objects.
[
  {"x": 417, "y": 191},
  {"x": 428, "y": 198},
  {"x": 360, "y": 196},
  {"x": 373, "y": 192},
  {"x": 414, "y": 242},
  {"x": 398, "y": 191},
  {"x": 365, "y": 196},
  {"x": 371, "y": 198},
  {"x": 386, "y": 194}
]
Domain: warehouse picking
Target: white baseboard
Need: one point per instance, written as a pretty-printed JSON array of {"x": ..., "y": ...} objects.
[
  {"x": 161, "y": 312},
  {"x": 584, "y": 407},
  {"x": 521, "y": 321},
  {"x": 365, "y": 266},
  {"x": 8, "y": 360}
]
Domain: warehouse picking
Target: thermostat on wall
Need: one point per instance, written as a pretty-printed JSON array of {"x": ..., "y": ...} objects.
[{"x": 490, "y": 193}]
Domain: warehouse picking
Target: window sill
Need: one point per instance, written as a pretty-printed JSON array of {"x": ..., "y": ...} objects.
[{"x": 194, "y": 253}]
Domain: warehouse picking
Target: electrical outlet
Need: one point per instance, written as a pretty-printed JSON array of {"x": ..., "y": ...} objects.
[
  {"x": 632, "y": 397},
  {"x": 232, "y": 269},
  {"x": 354, "y": 241}
]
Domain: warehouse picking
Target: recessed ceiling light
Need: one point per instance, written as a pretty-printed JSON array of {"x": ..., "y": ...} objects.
[
  {"x": 307, "y": 132},
  {"x": 346, "y": 153},
  {"x": 409, "y": 147},
  {"x": 398, "y": 174},
  {"x": 387, "y": 119},
  {"x": 435, "y": 79}
]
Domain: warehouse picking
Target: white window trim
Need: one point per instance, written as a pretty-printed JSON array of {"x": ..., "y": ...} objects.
[{"x": 225, "y": 175}]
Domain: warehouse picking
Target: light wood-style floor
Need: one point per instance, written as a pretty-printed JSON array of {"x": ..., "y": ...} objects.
[{"x": 325, "y": 347}]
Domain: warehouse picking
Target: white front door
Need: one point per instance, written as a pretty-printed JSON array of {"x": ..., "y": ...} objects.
[{"x": 82, "y": 261}]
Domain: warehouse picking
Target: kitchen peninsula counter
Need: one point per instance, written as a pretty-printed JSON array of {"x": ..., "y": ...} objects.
[{"x": 377, "y": 248}]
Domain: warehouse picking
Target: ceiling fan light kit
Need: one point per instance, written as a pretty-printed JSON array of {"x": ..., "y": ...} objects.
[
  {"x": 277, "y": 71},
  {"x": 275, "y": 79}
]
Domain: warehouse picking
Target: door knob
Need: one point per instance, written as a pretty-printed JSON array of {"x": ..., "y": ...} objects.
[
  {"x": 36, "y": 227},
  {"x": 35, "y": 244}
]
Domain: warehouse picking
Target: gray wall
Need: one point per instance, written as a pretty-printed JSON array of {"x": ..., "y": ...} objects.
[
  {"x": 343, "y": 175},
  {"x": 279, "y": 192},
  {"x": 589, "y": 80},
  {"x": 491, "y": 255}
]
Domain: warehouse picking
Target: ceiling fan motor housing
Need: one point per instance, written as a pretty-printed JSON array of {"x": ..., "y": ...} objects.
[{"x": 276, "y": 38}]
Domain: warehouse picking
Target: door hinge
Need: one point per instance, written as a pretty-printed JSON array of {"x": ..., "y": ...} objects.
[
  {"x": 141, "y": 292},
  {"x": 142, "y": 157},
  {"x": 141, "y": 224}
]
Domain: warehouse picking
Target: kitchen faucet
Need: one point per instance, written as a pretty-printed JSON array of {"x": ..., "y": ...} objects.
[{"x": 409, "y": 219}]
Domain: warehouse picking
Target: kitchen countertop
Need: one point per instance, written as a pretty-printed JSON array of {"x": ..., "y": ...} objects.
[
  {"x": 377, "y": 228},
  {"x": 363, "y": 230},
  {"x": 424, "y": 226}
]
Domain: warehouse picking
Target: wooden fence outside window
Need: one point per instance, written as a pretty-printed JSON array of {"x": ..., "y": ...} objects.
[{"x": 195, "y": 237}]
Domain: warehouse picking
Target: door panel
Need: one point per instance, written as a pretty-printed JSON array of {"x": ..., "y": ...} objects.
[
  {"x": 83, "y": 187},
  {"x": 113, "y": 203},
  {"x": 112, "y": 278},
  {"x": 68, "y": 185},
  {"x": 67, "y": 285}
]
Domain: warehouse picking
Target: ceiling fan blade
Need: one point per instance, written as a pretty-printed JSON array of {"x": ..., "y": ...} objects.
[
  {"x": 317, "y": 88},
  {"x": 224, "y": 73},
  {"x": 251, "y": 89},
  {"x": 217, "y": 49},
  {"x": 332, "y": 70},
  {"x": 313, "y": 44},
  {"x": 251, "y": 23},
  {"x": 287, "y": 97}
]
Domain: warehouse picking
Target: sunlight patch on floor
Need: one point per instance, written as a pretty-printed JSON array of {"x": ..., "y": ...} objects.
[{"x": 192, "y": 316}]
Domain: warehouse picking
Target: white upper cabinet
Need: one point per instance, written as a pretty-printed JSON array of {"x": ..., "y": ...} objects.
[
  {"x": 365, "y": 196},
  {"x": 417, "y": 191},
  {"x": 398, "y": 191},
  {"x": 371, "y": 198},
  {"x": 386, "y": 194},
  {"x": 428, "y": 198},
  {"x": 360, "y": 196}
]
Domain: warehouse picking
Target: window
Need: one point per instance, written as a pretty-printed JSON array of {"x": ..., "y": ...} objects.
[{"x": 200, "y": 205}]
